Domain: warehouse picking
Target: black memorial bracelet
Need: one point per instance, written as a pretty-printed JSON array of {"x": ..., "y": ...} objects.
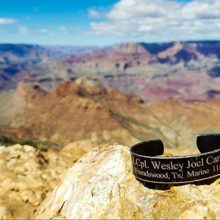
[{"x": 157, "y": 172}]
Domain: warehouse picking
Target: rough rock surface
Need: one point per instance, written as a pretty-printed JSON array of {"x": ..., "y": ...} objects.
[
  {"x": 101, "y": 186},
  {"x": 27, "y": 175}
]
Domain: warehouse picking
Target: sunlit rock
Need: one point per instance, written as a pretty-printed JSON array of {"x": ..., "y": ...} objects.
[
  {"x": 101, "y": 186},
  {"x": 27, "y": 175}
]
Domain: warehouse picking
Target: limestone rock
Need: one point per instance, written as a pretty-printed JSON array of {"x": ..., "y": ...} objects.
[
  {"x": 27, "y": 175},
  {"x": 101, "y": 186}
]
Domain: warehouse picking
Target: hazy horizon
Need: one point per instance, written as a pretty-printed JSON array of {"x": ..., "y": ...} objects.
[{"x": 109, "y": 45}]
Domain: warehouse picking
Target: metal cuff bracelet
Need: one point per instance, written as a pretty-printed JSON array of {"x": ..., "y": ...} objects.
[{"x": 158, "y": 172}]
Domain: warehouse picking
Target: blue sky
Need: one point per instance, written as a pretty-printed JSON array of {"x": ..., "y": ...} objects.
[{"x": 104, "y": 22}]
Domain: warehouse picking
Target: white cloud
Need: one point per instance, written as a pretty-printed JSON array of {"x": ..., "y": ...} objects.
[
  {"x": 161, "y": 19},
  {"x": 202, "y": 9},
  {"x": 63, "y": 30},
  {"x": 44, "y": 31},
  {"x": 7, "y": 21},
  {"x": 28, "y": 30},
  {"x": 93, "y": 13},
  {"x": 23, "y": 30},
  {"x": 97, "y": 12}
]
